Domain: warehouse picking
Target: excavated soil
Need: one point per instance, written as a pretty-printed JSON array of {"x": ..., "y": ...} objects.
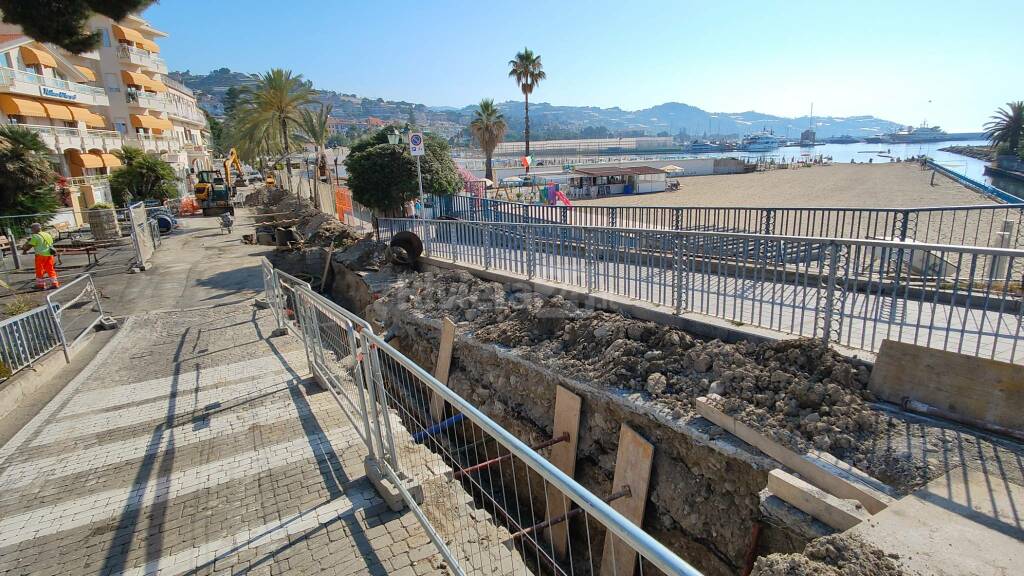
[
  {"x": 313, "y": 227},
  {"x": 795, "y": 391},
  {"x": 835, "y": 555}
]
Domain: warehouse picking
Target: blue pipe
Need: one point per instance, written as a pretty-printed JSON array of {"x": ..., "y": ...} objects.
[{"x": 439, "y": 427}]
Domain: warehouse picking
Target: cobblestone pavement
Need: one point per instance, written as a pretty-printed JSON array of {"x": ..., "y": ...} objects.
[{"x": 192, "y": 444}]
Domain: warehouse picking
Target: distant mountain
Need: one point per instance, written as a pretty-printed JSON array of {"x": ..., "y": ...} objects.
[
  {"x": 676, "y": 117},
  {"x": 551, "y": 122}
]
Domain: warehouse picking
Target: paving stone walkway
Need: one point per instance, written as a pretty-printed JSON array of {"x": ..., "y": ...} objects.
[{"x": 192, "y": 444}]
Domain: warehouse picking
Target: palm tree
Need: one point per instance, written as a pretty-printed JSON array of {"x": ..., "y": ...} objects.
[
  {"x": 488, "y": 127},
  {"x": 275, "y": 102},
  {"x": 528, "y": 72},
  {"x": 26, "y": 173},
  {"x": 1007, "y": 126},
  {"x": 313, "y": 127}
]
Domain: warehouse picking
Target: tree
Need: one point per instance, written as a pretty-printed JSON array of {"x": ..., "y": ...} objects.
[
  {"x": 1007, "y": 126},
  {"x": 313, "y": 127},
  {"x": 527, "y": 71},
  {"x": 336, "y": 140},
  {"x": 26, "y": 175},
  {"x": 143, "y": 176},
  {"x": 382, "y": 176},
  {"x": 217, "y": 136},
  {"x": 275, "y": 102},
  {"x": 488, "y": 127},
  {"x": 63, "y": 22},
  {"x": 232, "y": 97}
]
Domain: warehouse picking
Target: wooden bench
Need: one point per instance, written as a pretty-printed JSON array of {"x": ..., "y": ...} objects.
[
  {"x": 61, "y": 228},
  {"x": 5, "y": 246},
  {"x": 89, "y": 251}
]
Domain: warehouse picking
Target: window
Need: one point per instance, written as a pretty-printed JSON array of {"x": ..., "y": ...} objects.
[
  {"x": 112, "y": 82},
  {"x": 121, "y": 125},
  {"x": 106, "y": 36}
]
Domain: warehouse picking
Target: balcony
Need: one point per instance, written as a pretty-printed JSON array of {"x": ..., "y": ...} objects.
[
  {"x": 158, "y": 102},
  {"x": 154, "y": 143},
  {"x": 187, "y": 114},
  {"x": 60, "y": 139},
  {"x": 141, "y": 57},
  {"x": 29, "y": 84},
  {"x": 194, "y": 149},
  {"x": 97, "y": 180}
]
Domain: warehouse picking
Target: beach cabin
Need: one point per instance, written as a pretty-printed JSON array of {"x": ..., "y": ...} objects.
[{"x": 597, "y": 181}]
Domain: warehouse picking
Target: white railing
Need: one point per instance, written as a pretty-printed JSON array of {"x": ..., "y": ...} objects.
[
  {"x": 77, "y": 310},
  {"x": 9, "y": 75},
  {"x": 146, "y": 100},
  {"x": 62, "y": 137},
  {"x": 90, "y": 180},
  {"x": 139, "y": 56},
  {"x": 443, "y": 457},
  {"x": 26, "y": 338},
  {"x": 851, "y": 292}
]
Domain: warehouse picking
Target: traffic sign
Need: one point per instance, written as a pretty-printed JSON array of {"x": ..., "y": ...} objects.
[{"x": 416, "y": 145}]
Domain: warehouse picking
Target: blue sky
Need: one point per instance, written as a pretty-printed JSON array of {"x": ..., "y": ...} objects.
[{"x": 905, "y": 61}]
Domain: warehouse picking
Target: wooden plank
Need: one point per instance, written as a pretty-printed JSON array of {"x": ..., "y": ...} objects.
[
  {"x": 831, "y": 479},
  {"x": 978, "y": 388},
  {"x": 632, "y": 469},
  {"x": 444, "y": 364},
  {"x": 327, "y": 268},
  {"x": 563, "y": 456},
  {"x": 837, "y": 513}
]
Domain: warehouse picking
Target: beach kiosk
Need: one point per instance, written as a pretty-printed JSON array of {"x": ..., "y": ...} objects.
[{"x": 595, "y": 181}]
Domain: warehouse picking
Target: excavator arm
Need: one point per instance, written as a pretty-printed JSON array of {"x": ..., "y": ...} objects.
[{"x": 232, "y": 162}]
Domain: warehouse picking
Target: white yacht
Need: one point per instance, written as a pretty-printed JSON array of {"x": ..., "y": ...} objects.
[{"x": 761, "y": 142}]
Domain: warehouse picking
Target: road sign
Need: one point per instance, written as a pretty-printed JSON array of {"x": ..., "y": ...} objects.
[{"x": 416, "y": 146}]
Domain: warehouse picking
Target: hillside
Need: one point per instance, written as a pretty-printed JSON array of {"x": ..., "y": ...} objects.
[{"x": 549, "y": 121}]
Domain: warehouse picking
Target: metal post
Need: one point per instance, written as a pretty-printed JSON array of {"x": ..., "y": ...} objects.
[
  {"x": 531, "y": 257},
  {"x": 14, "y": 249},
  {"x": 588, "y": 252},
  {"x": 419, "y": 177},
  {"x": 830, "y": 293}
]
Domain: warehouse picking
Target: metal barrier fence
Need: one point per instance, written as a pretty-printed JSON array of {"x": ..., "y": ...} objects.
[
  {"x": 27, "y": 337},
  {"x": 488, "y": 502},
  {"x": 855, "y": 293},
  {"x": 994, "y": 225},
  {"x": 142, "y": 237},
  {"x": 77, "y": 310}
]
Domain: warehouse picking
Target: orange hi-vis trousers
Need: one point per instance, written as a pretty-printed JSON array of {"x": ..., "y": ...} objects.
[{"x": 44, "y": 268}]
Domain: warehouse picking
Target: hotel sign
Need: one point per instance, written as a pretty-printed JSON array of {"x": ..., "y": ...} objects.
[{"x": 59, "y": 94}]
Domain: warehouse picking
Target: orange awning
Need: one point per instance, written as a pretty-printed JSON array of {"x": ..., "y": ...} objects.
[
  {"x": 156, "y": 85},
  {"x": 57, "y": 111},
  {"x": 150, "y": 122},
  {"x": 79, "y": 114},
  {"x": 96, "y": 121},
  {"x": 85, "y": 159},
  {"x": 87, "y": 72},
  {"x": 37, "y": 56},
  {"x": 148, "y": 45},
  {"x": 14, "y": 106},
  {"x": 126, "y": 33},
  {"x": 109, "y": 160},
  {"x": 136, "y": 79}
]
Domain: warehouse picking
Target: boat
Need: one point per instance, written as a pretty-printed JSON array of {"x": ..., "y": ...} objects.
[
  {"x": 696, "y": 147},
  {"x": 844, "y": 139},
  {"x": 923, "y": 133},
  {"x": 761, "y": 142}
]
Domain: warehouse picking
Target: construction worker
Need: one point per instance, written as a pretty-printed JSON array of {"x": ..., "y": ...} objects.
[{"x": 42, "y": 244}]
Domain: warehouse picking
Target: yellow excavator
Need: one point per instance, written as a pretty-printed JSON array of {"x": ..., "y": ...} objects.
[{"x": 214, "y": 189}]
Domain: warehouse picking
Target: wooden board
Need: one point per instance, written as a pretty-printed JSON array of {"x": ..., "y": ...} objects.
[
  {"x": 444, "y": 364},
  {"x": 837, "y": 513},
  {"x": 978, "y": 388},
  {"x": 818, "y": 472},
  {"x": 563, "y": 456},
  {"x": 633, "y": 469}
]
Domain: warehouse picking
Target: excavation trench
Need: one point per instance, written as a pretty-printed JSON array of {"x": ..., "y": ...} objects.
[{"x": 514, "y": 348}]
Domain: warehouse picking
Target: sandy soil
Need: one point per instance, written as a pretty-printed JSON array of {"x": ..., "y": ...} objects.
[{"x": 902, "y": 185}]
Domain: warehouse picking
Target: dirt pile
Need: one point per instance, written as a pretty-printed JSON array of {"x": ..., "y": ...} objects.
[
  {"x": 796, "y": 391},
  {"x": 835, "y": 555},
  {"x": 313, "y": 227}
]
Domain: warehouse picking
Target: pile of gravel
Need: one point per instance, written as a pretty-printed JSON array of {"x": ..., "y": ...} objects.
[{"x": 835, "y": 555}]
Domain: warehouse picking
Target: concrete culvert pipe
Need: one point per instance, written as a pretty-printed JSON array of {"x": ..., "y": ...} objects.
[{"x": 406, "y": 247}]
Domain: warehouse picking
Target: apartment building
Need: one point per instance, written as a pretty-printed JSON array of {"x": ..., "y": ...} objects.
[{"x": 87, "y": 106}]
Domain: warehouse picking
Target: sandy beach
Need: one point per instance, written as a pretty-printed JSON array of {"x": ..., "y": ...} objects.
[{"x": 902, "y": 185}]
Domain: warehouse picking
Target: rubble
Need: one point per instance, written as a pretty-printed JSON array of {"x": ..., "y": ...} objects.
[
  {"x": 835, "y": 555},
  {"x": 312, "y": 227},
  {"x": 795, "y": 391}
]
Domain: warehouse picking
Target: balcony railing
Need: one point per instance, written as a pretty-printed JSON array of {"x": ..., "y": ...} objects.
[
  {"x": 185, "y": 114},
  {"x": 146, "y": 100},
  {"x": 60, "y": 138},
  {"x": 139, "y": 56},
  {"x": 178, "y": 86},
  {"x": 157, "y": 143},
  {"x": 9, "y": 75},
  {"x": 96, "y": 180}
]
